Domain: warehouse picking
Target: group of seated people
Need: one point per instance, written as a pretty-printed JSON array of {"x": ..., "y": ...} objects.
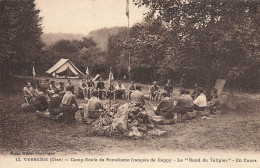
[
  {"x": 45, "y": 95},
  {"x": 154, "y": 91},
  {"x": 62, "y": 100},
  {"x": 86, "y": 89},
  {"x": 34, "y": 88},
  {"x": 186, "y": 102},
  {"x": 166, "y": 108}
]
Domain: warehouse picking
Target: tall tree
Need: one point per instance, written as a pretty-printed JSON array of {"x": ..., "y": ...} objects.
[
  {"x": 20, "y": 31},
  {"x": 210, "y": 35},
  {"x": 116, "y": 54}
]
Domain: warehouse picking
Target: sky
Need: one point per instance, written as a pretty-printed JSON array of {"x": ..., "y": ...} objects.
[{"x": 82, "y": 16}]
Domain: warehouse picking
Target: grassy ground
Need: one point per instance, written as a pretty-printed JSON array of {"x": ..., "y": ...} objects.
[{"x": 236, "y": 130}]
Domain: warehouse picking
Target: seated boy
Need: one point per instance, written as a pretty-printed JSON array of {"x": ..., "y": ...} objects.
[{"x": 154, "y": 91}]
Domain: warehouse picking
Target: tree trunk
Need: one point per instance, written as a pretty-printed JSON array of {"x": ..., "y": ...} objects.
[
  {"x": 208, "y": 80},
  {"x": 209, "y": 60},
  {"x": 118, "y": 74},
  {"x": 151, "y": 76}
]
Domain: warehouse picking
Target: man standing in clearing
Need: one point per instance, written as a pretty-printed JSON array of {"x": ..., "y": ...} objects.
[
  {"x": 69, "y": 105},
  {"x": 200, "y": 102}
]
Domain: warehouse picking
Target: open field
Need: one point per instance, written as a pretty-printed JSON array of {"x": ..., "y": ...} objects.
[{"x": 235, "y": 130}]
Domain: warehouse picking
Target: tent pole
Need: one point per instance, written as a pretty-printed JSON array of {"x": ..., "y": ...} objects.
[{"x": 67, "y": 73}]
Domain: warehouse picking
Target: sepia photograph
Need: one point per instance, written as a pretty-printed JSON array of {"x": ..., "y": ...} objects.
[{"x": 129, "y": 83}]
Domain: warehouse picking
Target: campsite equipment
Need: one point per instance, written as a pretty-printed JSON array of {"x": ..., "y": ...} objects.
[{"x": 65, "y": 68}]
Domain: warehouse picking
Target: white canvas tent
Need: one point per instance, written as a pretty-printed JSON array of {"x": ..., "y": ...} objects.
[{"x": 65, "y": 65}]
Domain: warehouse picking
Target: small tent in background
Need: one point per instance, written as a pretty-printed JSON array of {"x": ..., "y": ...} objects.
[{"x": 65, "y": 68}]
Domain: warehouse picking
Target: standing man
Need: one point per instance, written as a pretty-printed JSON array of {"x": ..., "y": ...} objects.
[
  {"x": 69, "y": 105},
  {"x": 200, "y": 102}
]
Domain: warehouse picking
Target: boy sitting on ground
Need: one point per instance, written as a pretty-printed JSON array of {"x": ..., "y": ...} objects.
[
  {"x": 137, "y": 97},
  {"x": 165, "y": 107},
  {"x": 131, "y": 88},
  {"x": 182, "y": 105},
  {"x": 82, "y": 89},
  {"x": 169, "y": 88},
  {"x": 214, "y": 103},
  {"x": 95, "y": 106},
  {"x": 54, "y": 104},
  {"x": 41, "y": 101},
  {"x": 200, "y": 102},
  {"x": 154, "y": 91},
  {"x": 101, "y": 89},
  {"x": 27, "y": 93},
  {"x": 69, "y": 105},
  {"x": 111, "y": 91},
  {"x": 91, "y": 87},
  {"x": 120, "y": 91}
]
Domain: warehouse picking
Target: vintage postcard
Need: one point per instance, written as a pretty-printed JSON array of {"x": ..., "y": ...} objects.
[{"x": 129, "y": 83}]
